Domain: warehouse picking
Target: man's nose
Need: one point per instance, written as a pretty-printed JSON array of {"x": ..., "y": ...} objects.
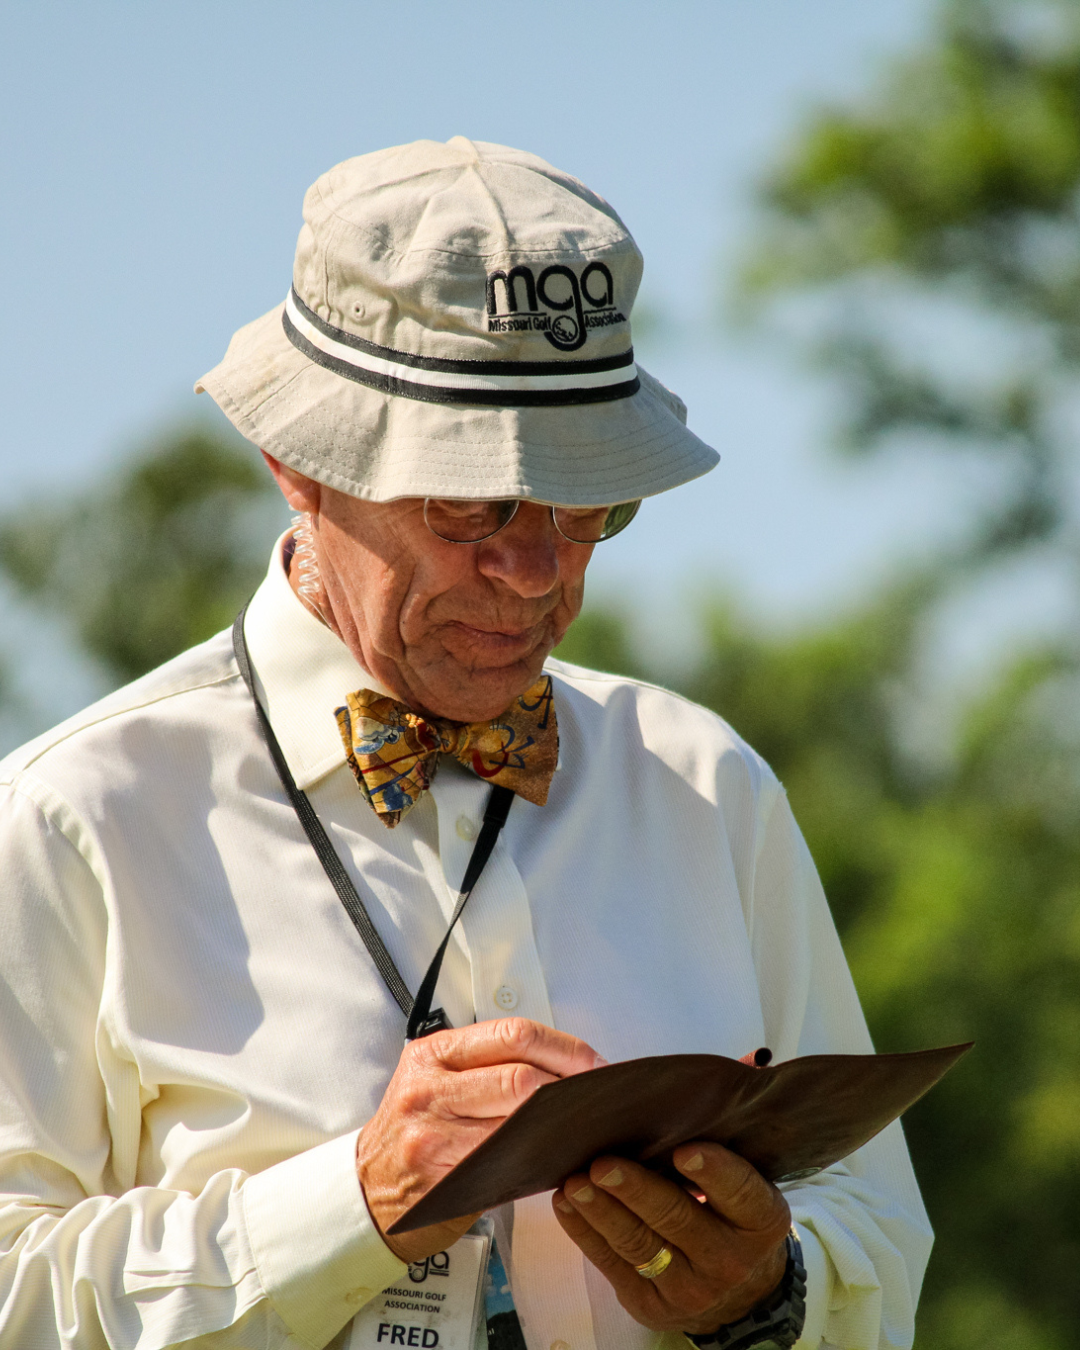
[{"x": 524, "y": 555}]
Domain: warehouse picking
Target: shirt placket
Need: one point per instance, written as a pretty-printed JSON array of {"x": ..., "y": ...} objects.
[
  {"x": 547, "y": 1273},
  {"x": 496, "y": 927}
]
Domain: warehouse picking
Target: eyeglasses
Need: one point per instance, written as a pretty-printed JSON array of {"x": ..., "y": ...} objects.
[{"x": 467, "y": 522}]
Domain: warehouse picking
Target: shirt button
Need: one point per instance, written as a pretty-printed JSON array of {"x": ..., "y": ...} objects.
[
  {"x": 506, "y": 998},
  {"x": 559, "y": 1345},
  {"x": 466, "y": 828},
  {"x": 358, "y": 1296}
]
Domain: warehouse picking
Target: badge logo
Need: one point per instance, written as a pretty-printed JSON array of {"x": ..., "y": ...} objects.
[
  {"x": 557, "y": 302},
  {"x": 439, "y": 1264}
]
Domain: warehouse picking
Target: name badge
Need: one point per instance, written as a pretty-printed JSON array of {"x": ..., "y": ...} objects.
[{"x": 436, "y": 1305}]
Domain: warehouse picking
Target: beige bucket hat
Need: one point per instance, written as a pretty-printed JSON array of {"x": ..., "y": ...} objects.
[{"x": 459, "y": 326}]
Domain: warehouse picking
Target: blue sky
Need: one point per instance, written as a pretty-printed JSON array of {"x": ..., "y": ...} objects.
[{"x": 155, "y": 161}]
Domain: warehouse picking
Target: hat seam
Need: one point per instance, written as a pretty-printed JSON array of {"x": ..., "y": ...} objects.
[
  {"x": 478, "y": 452},
  {"x": 517, "y": 252},
  {"x": 621, "y": 234},
  {"x": 615, "y": 439},
  {"x": 540, "y": 168},
  {"x": 657, "y": 428},
  {"x": 651, "y": 486},
  {"x": 553, "y": 251}
]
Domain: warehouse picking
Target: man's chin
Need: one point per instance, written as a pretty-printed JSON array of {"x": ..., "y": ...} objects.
[{"x": 479, "y": 695}]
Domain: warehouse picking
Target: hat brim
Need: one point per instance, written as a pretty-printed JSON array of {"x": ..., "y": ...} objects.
[{"x": 382, "y": 446}]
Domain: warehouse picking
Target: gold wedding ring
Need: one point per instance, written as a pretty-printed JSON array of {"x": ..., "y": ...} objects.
[{"x": 656, "y": 1266}]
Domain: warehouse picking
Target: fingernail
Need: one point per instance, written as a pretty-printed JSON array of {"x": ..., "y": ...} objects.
[
  {"x": 584, "y": 1195},
  {"x": 600, "y": 1062},
  {"x": 694, "y": 1164},
  {"x": 565, "y": 1206},
  {"x": 613, "y": 1178}
]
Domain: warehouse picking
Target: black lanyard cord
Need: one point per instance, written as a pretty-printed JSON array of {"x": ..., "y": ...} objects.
[
  {"x": 495, "y": 813},
  {"x": 421, "y": 1020}
]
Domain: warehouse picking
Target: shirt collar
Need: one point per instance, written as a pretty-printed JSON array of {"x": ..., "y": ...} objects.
[{"x": 302, "y": 673}]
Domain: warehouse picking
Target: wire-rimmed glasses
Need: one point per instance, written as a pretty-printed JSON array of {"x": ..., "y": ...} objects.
[{"x": 459, "y": 521}]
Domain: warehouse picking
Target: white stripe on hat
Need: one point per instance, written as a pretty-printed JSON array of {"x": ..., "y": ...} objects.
[{"x": 384, "y": 364}]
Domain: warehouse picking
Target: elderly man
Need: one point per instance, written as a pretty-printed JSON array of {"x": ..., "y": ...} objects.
[{"x": 223, "y": 885}]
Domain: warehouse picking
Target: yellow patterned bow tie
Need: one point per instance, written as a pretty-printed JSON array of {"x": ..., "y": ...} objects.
[{"x": 394, "y": 752}]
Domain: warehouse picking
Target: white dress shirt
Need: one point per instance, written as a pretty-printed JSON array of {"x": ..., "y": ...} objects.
[{"x": 193, "y": 1033}]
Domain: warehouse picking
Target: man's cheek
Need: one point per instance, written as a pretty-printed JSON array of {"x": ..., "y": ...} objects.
[
  {"x": 415, "y": 617},
  {"x": 569, "y": 609}
]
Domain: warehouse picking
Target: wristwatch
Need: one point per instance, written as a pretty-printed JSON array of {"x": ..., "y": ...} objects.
[{"x": 778, "y": 1321}]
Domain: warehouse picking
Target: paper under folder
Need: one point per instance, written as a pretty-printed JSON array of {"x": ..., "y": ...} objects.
[{"x": 789, "y": 1120}]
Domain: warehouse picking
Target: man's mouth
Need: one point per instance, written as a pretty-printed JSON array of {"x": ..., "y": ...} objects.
[{"x": 511, "y": 643}]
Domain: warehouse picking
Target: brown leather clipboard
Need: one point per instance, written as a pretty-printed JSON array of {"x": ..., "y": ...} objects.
[{"x": 789, "y": 1120}]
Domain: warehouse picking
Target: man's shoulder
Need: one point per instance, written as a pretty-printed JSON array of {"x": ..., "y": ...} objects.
[
  {"x": 644, "y": 717},
  {"x": 164, "y": 692},
  {"x": 622, "y": 696}
]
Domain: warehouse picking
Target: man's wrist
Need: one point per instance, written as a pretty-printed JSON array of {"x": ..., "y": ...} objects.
[{"x": 777, "y": 1320}]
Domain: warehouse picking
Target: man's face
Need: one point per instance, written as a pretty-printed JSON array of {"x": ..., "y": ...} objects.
[{"x": 458, "y": 630}]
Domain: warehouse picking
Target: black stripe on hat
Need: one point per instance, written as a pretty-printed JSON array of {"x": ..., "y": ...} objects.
[
  {"x": 433, "y": 393},
  {"x": 438, "y": 363}
]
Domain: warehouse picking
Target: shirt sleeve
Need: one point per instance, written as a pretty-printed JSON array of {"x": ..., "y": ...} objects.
[
  {"x": 865, "y": 1233},
  {"x": 89, "y": 1259}
]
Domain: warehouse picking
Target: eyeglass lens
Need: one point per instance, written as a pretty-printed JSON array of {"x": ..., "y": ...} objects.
[{"x": 468, "y": 522}]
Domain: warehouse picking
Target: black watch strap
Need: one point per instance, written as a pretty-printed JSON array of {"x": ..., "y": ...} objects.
[{"x": 777, "y": 1321}]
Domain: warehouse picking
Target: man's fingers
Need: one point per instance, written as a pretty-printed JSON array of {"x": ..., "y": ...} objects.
[
  {"x": 587, "y": 1238},
  {"x": 624, "y": 1279},
  {"x": 488, "y": 1069},
  {"x": 733, "y": 1188},
  {"x": 482, "y": 1093},
  {"x": 621, "y": 1223},
  {"x": 677, "y": 1297},
  {"x": 507, "y": 1040},
  {"x": 637, "y": 1210}
]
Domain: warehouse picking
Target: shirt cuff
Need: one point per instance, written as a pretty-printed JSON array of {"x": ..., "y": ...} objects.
[
  {"x": 818, "y": 1288},
  {"x": 317, "y": 1250}
]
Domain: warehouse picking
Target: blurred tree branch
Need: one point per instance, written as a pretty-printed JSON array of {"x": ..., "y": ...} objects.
[
  {"x": 156, "y": 558},
  {"x": 957, "y": 185}
]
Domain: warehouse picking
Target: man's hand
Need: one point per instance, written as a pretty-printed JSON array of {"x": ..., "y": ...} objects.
[
  {"x": 448, "y": 1093},
  {"x": 727, "y": 1251}
]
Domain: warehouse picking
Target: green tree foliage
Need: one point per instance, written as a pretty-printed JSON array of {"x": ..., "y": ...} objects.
[
  {"x": 14, "y": 717},
  {"x": 155, "y": 559},
  {"x": 949, "y": 207},
  {"x": 601, "y": 638}
]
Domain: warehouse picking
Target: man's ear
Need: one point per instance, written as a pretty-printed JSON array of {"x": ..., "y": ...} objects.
[{"x": 302, "y": 493}]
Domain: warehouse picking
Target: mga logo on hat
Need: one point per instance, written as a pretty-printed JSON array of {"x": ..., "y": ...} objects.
[{"x": 558, "y": 303}]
